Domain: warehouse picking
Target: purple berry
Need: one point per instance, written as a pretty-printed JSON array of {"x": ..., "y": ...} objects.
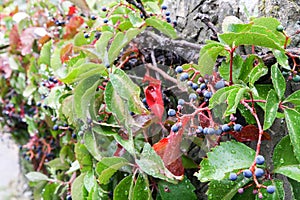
[
  {"x": 232, "y": 176},
  {"x": 259, "y": 172},
  {"x": 171, "y": 112},
  {"x": 241, "y": 190},
  {"x": 271, "y": 189},
  {"x": 247, "y": 173},
  {"x": 260, "y": 160}
]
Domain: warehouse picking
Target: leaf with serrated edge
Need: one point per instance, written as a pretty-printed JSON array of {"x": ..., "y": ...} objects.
[
  {"x": 271, "y": 109},
  {"x": 153, "y": 165},
  {"x": 77, "y": 188},
  {"x": 234, "y": 99},
  {"x": 207, "y": 57},
  {"x": 292, "y": 119},
  {"x": 227, "y": 157},
  {"x": 278, "y": 81},
  {"x": 294, "y": 98},
  {"x": 45, "y": 54},
  {"x": 91, "y": 144},
  {"x": 122, "y": 190},
  {"x": 162, "y": 26},
  {"x": 101, "y": 45},
  {"x": 141, "y": 188},
  {"x": 221, "y": 95},
  {"x": 284, "y": 159},
  {"x": 257, "y": 72},
  {"x": 225, "y": 189},
  {"x": 108, "y": 166}
]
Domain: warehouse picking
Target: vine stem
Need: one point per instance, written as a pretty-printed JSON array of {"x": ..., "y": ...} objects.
[
  {"x": 231, "y": 51},
  {"x": 260, "y": 133}
]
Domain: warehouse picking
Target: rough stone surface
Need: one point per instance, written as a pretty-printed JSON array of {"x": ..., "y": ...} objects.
[{"x": 287, "y": 11}]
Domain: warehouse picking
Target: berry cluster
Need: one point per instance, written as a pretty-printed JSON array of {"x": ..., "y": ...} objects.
[
  {"x": 168, "y": 15},
  {"x": 258, "y": 172}
]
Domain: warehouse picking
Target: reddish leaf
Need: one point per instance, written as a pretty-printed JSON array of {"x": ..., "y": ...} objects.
[
  {"x": 154, "y": 96},
  {"x": 71, "y": 28},
  {"x": 14, "y": 38},
  {"x": 249, "y": 133},
  {"x": 27, "y": 38},
  {"x": 4, "y": 67},
  {"x": 169, "y": 150},
  {"x": 66, "y": 52},
  {"x": 72, "y": 10}
]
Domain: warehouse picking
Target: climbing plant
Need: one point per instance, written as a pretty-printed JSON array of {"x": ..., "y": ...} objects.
[{"x": 92, "y": 130}]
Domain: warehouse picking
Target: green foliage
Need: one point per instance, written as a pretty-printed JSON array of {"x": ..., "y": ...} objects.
[{"x": 82, "y": 123}]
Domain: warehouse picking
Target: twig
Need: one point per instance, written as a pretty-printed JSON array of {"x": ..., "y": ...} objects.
[
  {"x": 139, "y": 6},
  {"x": 161, "y": 72},
  {"x": 206, "y": 20}
]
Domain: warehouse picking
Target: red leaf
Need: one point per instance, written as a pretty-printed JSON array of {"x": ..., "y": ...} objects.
[
  {"x": 169, "y": 150},
  {"x": 249, "y": 133},
  {"x": 27, "y": 38},
  {"x": 72, "y": 10},
  {"x": 71, "y": 28},
  {"x": 66, "y": 52},
  {"x": 154, "y": 96}
]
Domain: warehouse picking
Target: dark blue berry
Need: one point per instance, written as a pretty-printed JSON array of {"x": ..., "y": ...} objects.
[
  {"x": 247, "y": 173},
  {"x": 178, "y": 69},
  {"x": 232, "y": 176},
  {"x": 184, "y": 76},
  {"x": 192, "y": 97},
  {"x": 181, "y": 102},
  {"x": 237, "y": 127},
  {"x": 174, "y": 128},
  {"x": 38, "y": 104},
  {"x": 168, "y": 19},
  {"x": 171, "y": 112},
  {"x": 205, "y": 130},
  {"x": 105, "y": 21},
  {"x": 93, "y": 17},
  {"x": 195, "y": 86},
  {"x": 259, "y": 172},
  {"x": 174, "y": 22},
  {"x": 271, "y": 189},
  {"x": 86, "y": 35},
  {"x": 55, "y": 127},
  {"x": 189, "y": 83},
  {"x": 97, "y": 35},
  {"x": 168, "y": 13},
  {"x": 69, "y": 197},
  {"x": 220, "y": 84},
  {"x": 226, "y": 128},
  {"x": 74, "y": 136},
  {"x": 211, "y": 131},
  {"x": 203, "y": 86},
  {"x": 207, "y": 94},
  {"x": 260, "y": 160},
  {"x": 104, "y": 9},
  {"x": 164, "y": 7},
  {"x": 199, "y": 129}
]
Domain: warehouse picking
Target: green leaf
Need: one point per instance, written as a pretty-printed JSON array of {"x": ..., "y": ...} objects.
[
  {"x": 233, "y": 100},
  {"x": 130, "y": 93},
  {"x": 37, "y": 176},
  {"x": 227, "y": 157},
  {"x": 89, "y": 180},
  {"x": 91, "y": 144},
  {"x": 152, "y": 7},
  {"x": 141, "y": 188},
  {"x": 278, "y": 81},
  {"x": 237, "y": 65},
  {"x": 249, "y": 38},
  {"x": 80, "y": 40},
  {"x": 257, "y": 72},
  {"x": 292, "y": 118},
  {"x": 107, "y": 167},
  {"x": 77, "y": 188},
  {"x": 84, "y": 97},
  {"x": 122, "y": 190},
  {"x": 246, "y": 114},
  {"x": 67, "y": 109},
  {"x": 225, "y": 189},
  {"x": 162, "y": 26},
  {"x": 284, "y": 159},
  {"x": 152, "y": 164},
  {"x": 221, "y": 95},
  {"x": 45, "y": 54},
  {"x": 207, "y": 57},
  {"x": 277, "y": 195},
  {"x": 57, "y": 164},
  {"x": 101, "y": 45},
  {"x": 282, "y": 59},
  {"x": 295, "y": 186},
  {"x": 120, "y": 41},
  {"x": 182, "y": 190},
  {"x": 271, "y": 109},
  {"x": 83, "y": 71},
  {"x": 84, "y": 157},
  {"x": 135, "y": 19},
  {"x": 294, "y": 98},
  {"x": 246, "y": 68},
  {"x": 271, "y": 24},
  {"x": 49, "y": 191}
]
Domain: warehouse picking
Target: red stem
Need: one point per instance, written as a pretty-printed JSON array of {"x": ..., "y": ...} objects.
[{"x": 231, "y": 65}]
